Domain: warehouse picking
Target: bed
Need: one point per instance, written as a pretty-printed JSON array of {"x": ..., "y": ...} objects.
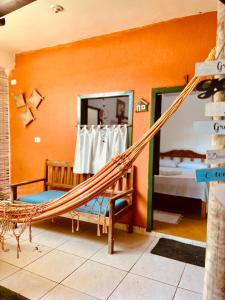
[{"x": 177, "y": 176}]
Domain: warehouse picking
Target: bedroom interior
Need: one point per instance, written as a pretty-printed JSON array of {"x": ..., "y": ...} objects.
[
  {"x": 181, "y": 152},
  {"x": 91, "y": 75}
]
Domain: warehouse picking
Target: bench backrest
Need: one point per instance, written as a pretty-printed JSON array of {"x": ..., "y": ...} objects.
[{"x": 59, "y": 175}]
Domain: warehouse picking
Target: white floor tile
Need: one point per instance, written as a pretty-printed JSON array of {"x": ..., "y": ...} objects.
[
  {"x": 29, "y": 253},
  {"x": 51, "y": 239},
  {"x": 6, "y": 269},
  {"x": 84, "y": 247},
  {"x": 123, "y": 258},
  {"x": 135, "y": 287},
  {"x": 99, "y": 277},
  {"x": 28, "y": 284},
  {"x": 85, "y": 229},
  {"x": 193, "y": 278},
  {"x": 133, "y": 241},
  {"x": 43, "y": 226},
  {"x": 187, "y": 295},
  {"x": 25, "y": 234},
  {"x": 49, "y": 224},
  {"x": 152, "y": 245},
  {"x": 55, "y": 265},
  {"x": 95, "y": 279},
  {"x": 34, "y": 232},
  {"x": 64, "y": 293},
  {"x": 159, "y": 268}
]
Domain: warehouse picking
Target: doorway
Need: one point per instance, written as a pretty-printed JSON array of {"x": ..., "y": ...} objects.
[{"x": 173, "y": 191}]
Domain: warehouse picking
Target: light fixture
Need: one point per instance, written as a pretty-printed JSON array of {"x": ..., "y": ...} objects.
[{"x": 57, "y": 8}]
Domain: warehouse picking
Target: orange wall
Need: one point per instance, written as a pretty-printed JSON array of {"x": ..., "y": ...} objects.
[{"x": 141, "y": 59}]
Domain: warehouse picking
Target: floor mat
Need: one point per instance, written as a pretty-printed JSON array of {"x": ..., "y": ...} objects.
[
  {"x": 166, "y": 217},
  {"x": 10, "y": 295},
  {"x": 187, "y": 253}
]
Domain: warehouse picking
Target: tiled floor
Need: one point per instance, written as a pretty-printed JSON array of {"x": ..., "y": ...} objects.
[{"x": 60, "y": 265}]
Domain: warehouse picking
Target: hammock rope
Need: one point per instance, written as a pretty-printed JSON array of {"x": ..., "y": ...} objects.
[{"x": 81, "y": 194}]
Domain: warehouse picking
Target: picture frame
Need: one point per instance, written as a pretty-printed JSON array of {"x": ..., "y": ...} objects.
[
  {"x": 120, "y": 109},
  {"x": 35, "y": 99},
  {"x": 19, "y": 100},
  {"x": 26, "y": 117}
]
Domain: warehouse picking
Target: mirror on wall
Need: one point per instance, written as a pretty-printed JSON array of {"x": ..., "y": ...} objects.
[{"x": 105, "y": 110}]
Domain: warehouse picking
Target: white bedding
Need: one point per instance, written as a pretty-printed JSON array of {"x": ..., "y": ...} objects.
[{"x": 183, "y": 185}]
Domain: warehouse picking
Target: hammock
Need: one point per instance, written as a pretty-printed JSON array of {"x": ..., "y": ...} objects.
[{"x": 11, "y": 213}]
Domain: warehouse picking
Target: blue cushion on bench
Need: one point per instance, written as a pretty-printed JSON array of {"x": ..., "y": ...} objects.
[
  {"x": 92, "y": 207},
  {"x": 41, "y": 197}
]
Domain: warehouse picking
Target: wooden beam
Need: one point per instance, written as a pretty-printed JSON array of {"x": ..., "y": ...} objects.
[
  {"x": 215, "y": 109},
  {"x": 215, "y": 156},
  {"x": 7, "y": 7},
  {"x": 214, "y": 283}
]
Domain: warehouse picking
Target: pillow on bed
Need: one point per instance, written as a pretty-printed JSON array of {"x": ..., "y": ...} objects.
[
  {"x": 168, "y": 163},
  {"x": 192, "y": 165},
  {"x": 170, "y": 172}
]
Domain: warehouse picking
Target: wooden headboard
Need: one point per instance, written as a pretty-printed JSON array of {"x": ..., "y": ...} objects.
[{"x": 181, "y": 154}]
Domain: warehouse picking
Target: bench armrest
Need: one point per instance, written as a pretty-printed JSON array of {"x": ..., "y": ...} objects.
[
  {"x": 15, "y": 185},
  {"x": 26, "y": 182},
  {"x": 119, "y": 195}
]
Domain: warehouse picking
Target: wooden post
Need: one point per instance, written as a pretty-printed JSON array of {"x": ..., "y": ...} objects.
[
  {"x": 4, "y": 138},
  {"x": 214, "y": 284},
  {"x": 111, "y": 227},
  {"x": 14, "y": 192},
  {"x": 46, "y": 175},
  {"x": 130, "y": 220}
]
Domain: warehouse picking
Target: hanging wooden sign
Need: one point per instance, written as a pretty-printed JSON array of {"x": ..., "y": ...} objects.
[
  {"x": 215, "y": 109},
  {"x": 210, "y": 127},
  {"x": 35, "y": 99},
  {"x": 219, "y": 190},
  {"x": 141, "y": 106},
  {"x": 209, "y": 87},
  {"x": 216, "y": 67},
  {"x": 208, "y": 175},
  {"x": 215, "y": 156}
]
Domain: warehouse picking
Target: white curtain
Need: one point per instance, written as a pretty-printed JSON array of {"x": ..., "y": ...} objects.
[{"x": 96, "y": 145}]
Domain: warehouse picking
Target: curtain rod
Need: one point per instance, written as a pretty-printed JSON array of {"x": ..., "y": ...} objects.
[{"x": 100, "y": 125}]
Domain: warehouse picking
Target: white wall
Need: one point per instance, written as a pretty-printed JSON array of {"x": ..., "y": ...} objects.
[
  {"x": 7, "y": 60},
  {"x": 178, "y": 132}
]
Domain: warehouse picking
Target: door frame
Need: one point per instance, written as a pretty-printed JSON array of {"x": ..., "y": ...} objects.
[
  {"x": 129, "y": 93},
  {"x": 155, "y": 93}
]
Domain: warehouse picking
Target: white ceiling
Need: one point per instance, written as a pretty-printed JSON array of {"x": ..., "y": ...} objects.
[{"x": 35, "y": 26}]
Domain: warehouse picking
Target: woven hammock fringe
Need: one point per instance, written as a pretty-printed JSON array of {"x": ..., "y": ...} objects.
[
  {"x": 81, "y": 194},
  {"x": 74, "y": 215}
]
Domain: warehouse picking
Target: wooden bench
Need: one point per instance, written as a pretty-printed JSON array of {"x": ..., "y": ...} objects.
[{"x": 59, "y": 177}]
